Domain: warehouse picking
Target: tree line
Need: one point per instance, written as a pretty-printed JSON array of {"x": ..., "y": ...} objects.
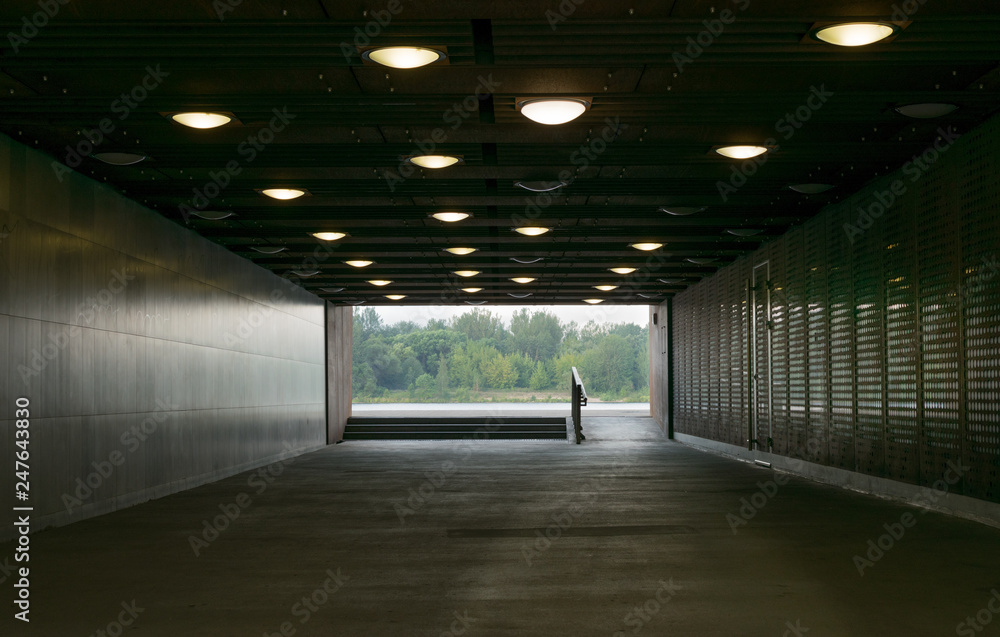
[{"x": 478, "y": 352}]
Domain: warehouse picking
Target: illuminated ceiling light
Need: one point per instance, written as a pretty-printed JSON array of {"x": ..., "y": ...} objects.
[
  {"x": 741, "y": 152},
  {"x": 646, "y": 247},
  {"x": 522, "y": 279},
  {"x": 622, "y": 270},
  {"x": 605, "y": 288},
  {"x": 553, "y": 111},
  {"x": 681, "y": 211},
  {"x": 593, "y": 301},
  {"x": 466, "y": 273},
  {"x": 527, "y": 260},
  {"x": 519, "y": 296},
  {"x": 333, "y": 290},
  {"x": 472, "y": 290},
  {"x": 461, "y": 251},
  {"x": 744, "y": 232},
  {"x": 450, "y": 217},
  {"x": 329, "y": 236},
  {"x": 540, "y": 186},
  {"x": 213, "y": 215},
  {"x": 434, "y": 161},
  {"x": 810, "y": 189},
  {"x": 269, "y": 249},
  {"x": 359, "y": 263},
  {"x": 531, "y": 231},
  {"x": 201, "y": 120},
  {"x": 855, "y": 33},
  {"x": 700, "y": 260},
  {"x": 119, "y": 159},
  {"x": 380, "y": 282},
  {"x": 305, "y": 272},
  {"x": 283, "y": 193},
  {"x": 923, "y": 111},
  {"x": 403, "y": 57},
  {"x": 395, "y": 297}
]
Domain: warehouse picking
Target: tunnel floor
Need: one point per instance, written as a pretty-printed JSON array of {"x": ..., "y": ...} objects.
[{"x": 625, "y": 534}]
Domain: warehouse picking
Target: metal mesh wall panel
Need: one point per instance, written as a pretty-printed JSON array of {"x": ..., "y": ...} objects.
[
  {"x": 795, "y": 288},
  {"x": 885, "y": 329},
  {"x": 818, "y": 345},
  {"x": 779, "y": 351}
]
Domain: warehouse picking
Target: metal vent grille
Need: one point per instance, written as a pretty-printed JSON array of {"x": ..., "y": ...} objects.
[{"x": 884, "y": 333}]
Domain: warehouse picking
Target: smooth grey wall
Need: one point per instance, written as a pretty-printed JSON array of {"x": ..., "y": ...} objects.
[{"x": 114, "y": 320}]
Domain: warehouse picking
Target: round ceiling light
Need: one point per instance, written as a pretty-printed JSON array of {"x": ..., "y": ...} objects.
[
  {"x": 283, "y": 194},
  {"x": 681, "y": 211},
  {"x": 519, "y": 296},
  {"x": 593, "y": 301},
  {"x": 522, "y": 279},
  {"x": 855, "y": 33},
  {"x": 380, "y": 282},
  {"x": 700, "y": 260},
  {"x": 553, "y": 111},
  {"x": 622, "y": 270},
  {"x": 269, "y": 249},
  {"x": 540, "y": 186},
  {"x": 119, "y": 159},
  {"x": 810, "y": 189},
  {"x": 670, "y": 281},
  {"x": 924, "y": 111},
  {"x": 531, "y": 231},
  {"x": 329, "y": 236},
  {"x": 403, "y": 57},
  {"x": 213, "y": 215},
  {"x": 744, "y": 232},
  {"x": 332, "y": 290},
  {"x": 201, "y": 120},
  {"x": 434, "y": 161},
  {"x": 395, "y": 297},
  {"x": 359, "y": 263},
  {"x": 472, "y": 290},
  {"x": 305, "y": 272},
  {"x": 475, "y": 302},
  {"x": 461, "y": 251},
  {"x": 605, "y": 288},
  {"x": 450, "y": 217},
  {"x": 466, "y": 273},
  {"x": 527, "y": 260},
  {"x": 646, "y": 247},
  {"x": 741, "y": 152}
]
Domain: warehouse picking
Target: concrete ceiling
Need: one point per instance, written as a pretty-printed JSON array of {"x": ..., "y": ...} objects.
[{"x": 644, "y": 144}]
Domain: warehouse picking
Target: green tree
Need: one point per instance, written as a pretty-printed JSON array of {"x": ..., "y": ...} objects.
[
  {"x": 540, "y": 378},
  {"x": 524, "y": 367},
  {"x": 611, "y": 366},
  {"x": 479, "y": 324},
  {"x": 443, "y": 380},
  {"x": 499, "y": 373},
  {"x": 537, "y": 335},
  {"x": 367, "y": 323}
]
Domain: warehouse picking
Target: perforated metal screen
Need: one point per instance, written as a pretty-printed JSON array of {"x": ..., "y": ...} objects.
[{"x": 884, "y": 338}]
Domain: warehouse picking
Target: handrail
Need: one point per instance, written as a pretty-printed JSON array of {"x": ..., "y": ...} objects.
[{"x": 578, "y": 398}]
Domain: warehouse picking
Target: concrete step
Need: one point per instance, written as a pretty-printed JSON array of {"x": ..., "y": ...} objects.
[{"x": 457, "y": 428}]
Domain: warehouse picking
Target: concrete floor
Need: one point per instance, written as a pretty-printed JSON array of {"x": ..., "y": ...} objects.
[{"x": 646, "y": 549}]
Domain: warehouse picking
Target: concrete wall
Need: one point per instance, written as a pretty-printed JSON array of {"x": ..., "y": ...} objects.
[
  {"x": 339, "y": 361},
  {"x": 153, "y": 359},
  {"x": 883, "y": 348}
]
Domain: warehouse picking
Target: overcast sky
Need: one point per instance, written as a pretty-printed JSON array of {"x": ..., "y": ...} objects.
[{"x": 638, "y": 314}]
